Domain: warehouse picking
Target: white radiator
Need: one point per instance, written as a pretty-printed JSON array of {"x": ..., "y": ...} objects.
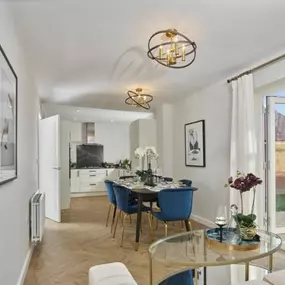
[{"x": 37, "y": 217}]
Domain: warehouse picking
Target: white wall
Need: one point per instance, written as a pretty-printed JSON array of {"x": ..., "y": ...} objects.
[
  {"x": 164, "y": 121},
  {"x": 142, "y": 133},
  {"x": 116, "y": 140},
  {"x": 214, "y": 106},
  {"x": 64, "y": 164},
  {"x": 14, "y": 196}
]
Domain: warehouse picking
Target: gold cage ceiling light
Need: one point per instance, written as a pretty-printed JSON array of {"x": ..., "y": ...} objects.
[
  {"x": 138, "y": 99},
  {"x": 171, "y": 49}
]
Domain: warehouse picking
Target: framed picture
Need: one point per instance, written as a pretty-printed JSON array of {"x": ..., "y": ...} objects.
[
  {"x": 8, "y": 120},
  {"x": 195, "y": 144}
]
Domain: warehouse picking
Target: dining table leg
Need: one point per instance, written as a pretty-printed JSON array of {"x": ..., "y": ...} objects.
[
  {"x": 205, "y": 275},
  {"x": 139, "y": 219},
  {"x": 246, "y": 271},
  {"x": 270, "y": 263}
]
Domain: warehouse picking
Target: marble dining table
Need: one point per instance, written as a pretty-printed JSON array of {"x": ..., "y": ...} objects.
[{"x": 145, "y": 193}]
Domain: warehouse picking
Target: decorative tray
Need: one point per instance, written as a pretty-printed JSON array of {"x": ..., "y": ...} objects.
[{"x": 227, "y": 238}]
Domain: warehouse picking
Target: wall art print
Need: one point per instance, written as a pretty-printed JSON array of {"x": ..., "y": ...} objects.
[
  {"x": 195, "y": 154},
  {"x": 8, "y": 120}
]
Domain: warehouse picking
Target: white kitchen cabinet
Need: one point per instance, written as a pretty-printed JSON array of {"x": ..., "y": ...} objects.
[
  {"x": 74, "y": 181},
  {"x": 75, "y": 130},
  {"x": 91, "y": 180}
]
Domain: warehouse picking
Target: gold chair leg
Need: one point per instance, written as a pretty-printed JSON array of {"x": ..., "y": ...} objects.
[
  {"x": 130, "y": 219},
  {"x": 113, "y": 218},
  {"x": 116, "y": 224},
  {"x": 122, "y": 240},
  {"x": 190, "y": 225},
  {"x": 165, "y": 229},
  {"x": 109, "y": 211},
  {"x": 150, "y": 227}
]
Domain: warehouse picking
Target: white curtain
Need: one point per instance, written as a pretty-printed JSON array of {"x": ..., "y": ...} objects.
[
  {"x": 246, "y": 148},
  {"x": 246, "y": 153}
]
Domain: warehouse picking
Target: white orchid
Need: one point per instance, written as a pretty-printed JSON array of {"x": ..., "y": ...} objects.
[{"x": 139, "y": 152}]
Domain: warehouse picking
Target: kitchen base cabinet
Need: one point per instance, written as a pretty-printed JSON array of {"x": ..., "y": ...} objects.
[{"x": 90, "y": 182}]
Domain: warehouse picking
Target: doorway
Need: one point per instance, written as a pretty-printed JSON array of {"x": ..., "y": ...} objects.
[{"x": 275, "y": 163}]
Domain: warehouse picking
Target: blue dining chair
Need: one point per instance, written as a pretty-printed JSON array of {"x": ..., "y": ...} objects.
[
  {"x": 175, "y": 205},
  {"x": 125, "y": 207},
  {"x": 112, "y": 201},
  {"x": 186, "y": 182},
  {"x": 182, "y": 278}
]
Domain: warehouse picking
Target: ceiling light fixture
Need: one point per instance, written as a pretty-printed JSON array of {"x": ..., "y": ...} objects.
[
  {"x": 77, "y": 110},
  {"x": 171, "y": 49},
  {"x": 138, "y": 99}
]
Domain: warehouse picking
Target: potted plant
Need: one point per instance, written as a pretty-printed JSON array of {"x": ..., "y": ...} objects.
[{"x": 245, "y": 222}]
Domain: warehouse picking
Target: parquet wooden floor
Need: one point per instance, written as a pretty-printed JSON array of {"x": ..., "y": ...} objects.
[{"x": 82, "y": 240}]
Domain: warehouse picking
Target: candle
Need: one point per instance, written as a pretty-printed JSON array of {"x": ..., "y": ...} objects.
[
  {"x": 176, "y": 46},
  {"x": 160, "y": 51},
  {"x": 183, "y": 53},
  {"x": 168, "y": 57}
]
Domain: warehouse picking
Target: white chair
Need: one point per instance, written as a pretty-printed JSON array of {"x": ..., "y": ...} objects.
[
  {"x": 115, "y": 273},
  {"x": 275, "y": 278}
]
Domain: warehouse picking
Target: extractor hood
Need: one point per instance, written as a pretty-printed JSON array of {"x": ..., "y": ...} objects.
[{"x": 88, "y": 133}]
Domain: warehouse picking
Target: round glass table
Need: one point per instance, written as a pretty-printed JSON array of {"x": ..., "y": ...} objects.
[{"x": 192, "y": 250}]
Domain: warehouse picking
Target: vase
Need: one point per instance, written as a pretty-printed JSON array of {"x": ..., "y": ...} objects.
[
  {"x": 149, "y": 176},
  {"x": 247, "y": 233}
]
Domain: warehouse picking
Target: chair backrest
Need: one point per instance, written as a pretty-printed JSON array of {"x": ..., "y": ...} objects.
[
  {"x": 122, "y": 195},
  {"x": 110, "y": 191},
  {"x": 176, "y": 203},
  {"x": 186, "y": 182}
]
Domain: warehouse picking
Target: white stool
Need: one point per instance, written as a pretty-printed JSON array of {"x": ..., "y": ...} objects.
[
  {"x": 253, "y": 282},
  {"x": 111, "y": 274},
  {"x": 275, "y": 278}
]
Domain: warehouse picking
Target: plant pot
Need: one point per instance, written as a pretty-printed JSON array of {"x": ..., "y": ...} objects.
[{"x": 247, "y": 233}]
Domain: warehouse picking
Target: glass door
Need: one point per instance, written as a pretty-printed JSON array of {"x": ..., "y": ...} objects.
[{"x": 275, "y": 109}]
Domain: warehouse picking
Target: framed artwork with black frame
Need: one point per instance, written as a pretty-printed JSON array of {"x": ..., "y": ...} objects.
[
  {"x": 8, "y": 120},
  {"x": 195, "y": 154}
]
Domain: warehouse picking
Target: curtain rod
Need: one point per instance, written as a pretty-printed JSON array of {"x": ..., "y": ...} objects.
[{"x": 256, "y": 68}]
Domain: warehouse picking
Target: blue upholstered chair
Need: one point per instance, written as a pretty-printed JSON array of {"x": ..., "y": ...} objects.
[
  {"x": 186, "y": 182},
  {"x": 175, "y": 205},
  {"x": 125, "y": 207},
  {"x": 182, "y": 278},
  {"x": 112, "y": 202}
]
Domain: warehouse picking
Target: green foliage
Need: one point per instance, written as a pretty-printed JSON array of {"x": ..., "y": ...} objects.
[
  {"x": 142, "y": 174},
  {"x": 246, "y": 221}
]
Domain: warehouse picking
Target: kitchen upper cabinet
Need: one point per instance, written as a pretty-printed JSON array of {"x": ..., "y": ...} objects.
[{"x": 75, "y": 132}]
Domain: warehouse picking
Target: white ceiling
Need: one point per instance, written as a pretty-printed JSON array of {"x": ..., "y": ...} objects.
[
  {"x": 81, "y": 114},
  {"x": 88, "y": 53}
]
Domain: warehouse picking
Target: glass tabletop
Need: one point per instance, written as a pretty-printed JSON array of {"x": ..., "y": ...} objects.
[{"x": 193, "y": 249}]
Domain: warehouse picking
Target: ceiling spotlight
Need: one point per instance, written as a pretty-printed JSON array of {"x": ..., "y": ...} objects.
[
  {"x": 138, "y": 99},
  {"x": 171, "y": 49},
  {"x": 77, "y": 110}
]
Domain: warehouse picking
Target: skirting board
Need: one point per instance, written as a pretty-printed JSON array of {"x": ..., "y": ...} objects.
[
  {"x": 203, "y": 221},
  {"x": 25, "y": 267},
  {"x": 86, "y": 194}
]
